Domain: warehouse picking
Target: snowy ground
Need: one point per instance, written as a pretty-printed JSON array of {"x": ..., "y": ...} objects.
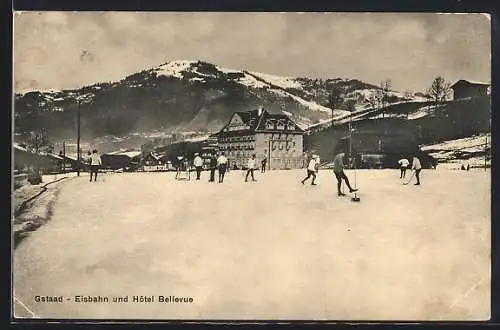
[
  {"x": 273, "y": 249},
  {"x": 32, "y": 205},
  {"x": 452, "y": 154}
]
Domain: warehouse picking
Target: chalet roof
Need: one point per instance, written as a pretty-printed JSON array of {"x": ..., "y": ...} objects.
[
  {"x": 127, "y": 153},
  {"x": 18, "y": 147},
  {"x": 46, "y": 154},
  {"x": 69, "y": 157},
  {"x": 155, "y": 155},
  {"x": 256, "y": 120},
  {"x": 131, "y": 154},
  {"x": 251, "y": 118},
  {"x": 468, "y": 82},
  {"x": 277, "y": 117}
]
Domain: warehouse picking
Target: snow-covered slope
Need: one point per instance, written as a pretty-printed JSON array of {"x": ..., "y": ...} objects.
[
  {"x": 280, "y": 86},
  {"x": 472, "y": 150},
  {"x": 253, "y": 80},
  {"x": 282, "y": 82}
]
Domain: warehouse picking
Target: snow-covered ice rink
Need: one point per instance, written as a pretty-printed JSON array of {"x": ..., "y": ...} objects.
[{"x": 274, "y": 249}]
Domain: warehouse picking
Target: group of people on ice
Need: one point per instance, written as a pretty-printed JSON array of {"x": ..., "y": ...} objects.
[
  {"x": 416, "y": 167},
  {"x": 220, "y": 163},
  {"x": 338, "y": 170}
]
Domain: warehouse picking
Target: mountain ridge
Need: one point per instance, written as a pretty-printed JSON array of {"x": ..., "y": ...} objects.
[{"x": 185, "y": 96}]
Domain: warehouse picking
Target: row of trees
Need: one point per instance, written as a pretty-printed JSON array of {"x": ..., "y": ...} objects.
[
  {"x": 39, "y": 141},
  {"x": 439, "y": 92},
  {"x": 379, "y": 98}
]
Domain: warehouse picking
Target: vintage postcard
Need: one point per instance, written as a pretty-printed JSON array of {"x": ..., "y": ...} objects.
[{"x": 251, "y": 166}]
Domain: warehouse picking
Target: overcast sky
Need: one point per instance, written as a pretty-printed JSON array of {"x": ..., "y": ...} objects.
[{"x": 55, "y": 50}]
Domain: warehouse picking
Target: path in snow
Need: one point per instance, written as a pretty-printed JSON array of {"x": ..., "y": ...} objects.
[{"x": 268, "y": 250}]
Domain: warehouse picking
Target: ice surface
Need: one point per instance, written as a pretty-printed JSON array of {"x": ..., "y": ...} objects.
[{"x": 273, "y": 249}]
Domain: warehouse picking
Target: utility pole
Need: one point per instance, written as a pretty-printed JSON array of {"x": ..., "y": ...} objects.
[
  {"x": 350, "y": 142},
  {"x": 269, "y": 154},
  {"x": 78, "y": 138},
  {"x": 64, "y": 156},
  {"x": 485, "y": 154}
]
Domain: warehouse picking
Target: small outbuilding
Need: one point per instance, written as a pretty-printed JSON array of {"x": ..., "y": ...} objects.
[{"x": 469, "y": 89}]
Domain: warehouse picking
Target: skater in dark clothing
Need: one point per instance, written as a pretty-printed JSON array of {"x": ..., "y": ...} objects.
[
  {"x": 338, "y": 170},
  {"x": 222, "y": 165},
  {"x": 263, "y": 165},
  {"x": 250, "y": 168},
  {"x": 88, "y": 161},
  {"x": 311, "y": 171},
  {"x": 403, "y": 163},
  {"x": 417, "y": 167},
  {"x": 95, "y": 163},
  {"x": 213, "y": 167}
]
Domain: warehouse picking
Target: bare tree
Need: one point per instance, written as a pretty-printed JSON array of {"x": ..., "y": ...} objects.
[
  {"x": 386, "y": 85},
  {"x": 383, "y": 97},
  {"x": 350, "y": 105},
  {"x": 375, "y": 100},
  {"x": 335, "y": 98},
  {"x": 439, "y": 91},
  {"x": 39, "y": 141}
]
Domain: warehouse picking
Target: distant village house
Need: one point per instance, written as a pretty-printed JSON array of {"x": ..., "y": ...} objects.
[{"x": 155, "y": 162}]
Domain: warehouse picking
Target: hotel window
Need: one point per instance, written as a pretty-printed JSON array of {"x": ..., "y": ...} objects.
[
  {"x": 280, "y": 125},
  {"x": 269, "y": 124},
  {"x": 290, "y": 126}
]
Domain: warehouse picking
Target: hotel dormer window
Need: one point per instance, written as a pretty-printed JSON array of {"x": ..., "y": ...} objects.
[
  {"x": 269, "y": 124},
  {"x": 290, "y": 126},
  {"x": 280, "y": 125}
]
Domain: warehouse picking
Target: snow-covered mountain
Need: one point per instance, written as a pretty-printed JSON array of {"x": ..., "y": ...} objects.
[{"x": 186, "y": 96}]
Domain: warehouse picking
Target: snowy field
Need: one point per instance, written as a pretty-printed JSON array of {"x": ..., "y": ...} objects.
[
  {"x": 273, "y": 249},
  {"x": 452, "y": 154}
]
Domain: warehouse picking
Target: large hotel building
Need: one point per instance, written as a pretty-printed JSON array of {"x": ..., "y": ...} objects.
[{"x": 272, "y": 136}]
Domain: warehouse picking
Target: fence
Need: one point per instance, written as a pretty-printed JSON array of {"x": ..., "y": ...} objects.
[
  {"x": 154, "y": 168},
  {"x": 20, "y": 180},
  {"x": 286, "y": 163}
]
